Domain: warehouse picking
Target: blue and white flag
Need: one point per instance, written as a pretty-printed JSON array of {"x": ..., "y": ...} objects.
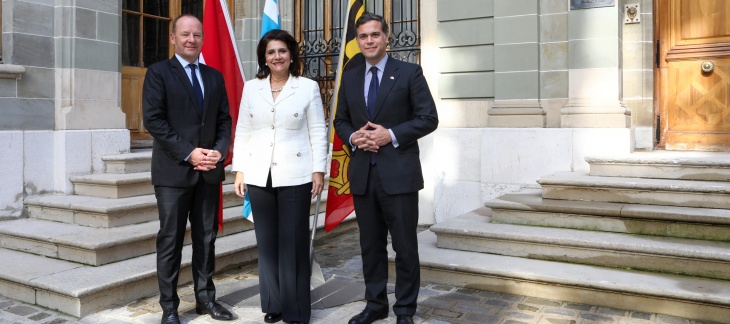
[
  {"x": 270, "y": 18},
  {"x": 247, "y": 207}
]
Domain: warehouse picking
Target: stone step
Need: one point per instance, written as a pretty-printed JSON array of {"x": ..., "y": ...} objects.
[
  {"x": 104, "y": 212},
  {"x": 135, "y": 162},
  {"x": 529, "y": 208},
  {"x": 688, "y": 193},
  {"x": 641, "y": 252},
  {"x": 689, "y": 297},
  {"x": 113, "y": 185},
  {"x": 80, "y": 290},
  {"x": 120, "y": 185},
  {"x": 711, "y": 166},
  {"x": 113, "y": 212},
  {"x": 96, "y": 246}
]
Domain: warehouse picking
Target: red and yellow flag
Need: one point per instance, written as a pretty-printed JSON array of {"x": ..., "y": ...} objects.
[{"x": 339, "y": 198}]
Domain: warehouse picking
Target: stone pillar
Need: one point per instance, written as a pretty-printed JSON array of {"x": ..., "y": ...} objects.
[
  {"x": 87, "y": 43},
  {"x": 594, "y": 47},
  {"x": 516, "y": 63},
  {"x": 637, "y": 64},
  {"x": 553, "y": 59}
]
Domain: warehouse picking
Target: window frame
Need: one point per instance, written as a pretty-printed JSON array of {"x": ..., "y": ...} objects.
[
  {"x": 324, "y": 53},
  {"x": 175, "y": 10}
]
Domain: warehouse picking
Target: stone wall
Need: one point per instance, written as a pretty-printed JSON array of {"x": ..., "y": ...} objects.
[
  {"x": 26, "y": 102},
  {"x": 59, "y": 95}
]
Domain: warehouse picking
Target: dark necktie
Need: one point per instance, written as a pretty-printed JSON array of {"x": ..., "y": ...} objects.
[
  {"x": 372, "y": 97},
  {"x": 373, "y": 91},
  {"x": 196, "y": 88}
]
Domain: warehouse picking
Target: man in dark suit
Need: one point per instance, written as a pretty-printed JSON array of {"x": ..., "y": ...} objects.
[
  {"x": 186, "y": 111},
  {"x": 383, "y": 108}
]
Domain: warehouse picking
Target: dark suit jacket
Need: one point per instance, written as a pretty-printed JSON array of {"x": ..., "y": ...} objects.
[
  {"x": 405, "y": 106},
  {"x": 173, "y": 119}
]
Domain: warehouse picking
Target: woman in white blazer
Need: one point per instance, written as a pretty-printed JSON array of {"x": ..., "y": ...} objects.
[{"x": 280, "y": 152}]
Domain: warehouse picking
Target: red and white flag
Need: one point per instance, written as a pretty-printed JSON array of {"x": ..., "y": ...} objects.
[{"x": 220, "y": 52}]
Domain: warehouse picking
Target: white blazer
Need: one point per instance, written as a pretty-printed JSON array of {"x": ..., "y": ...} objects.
[{"x": 287, "y": 137}]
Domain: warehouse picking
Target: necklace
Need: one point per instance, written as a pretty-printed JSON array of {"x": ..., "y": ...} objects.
[
  {"x": 278, "y": 80},
  {"x": 277, "y": 90}
]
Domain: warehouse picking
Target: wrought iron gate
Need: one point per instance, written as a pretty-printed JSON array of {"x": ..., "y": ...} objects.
[{"x": 320, "y": 26}]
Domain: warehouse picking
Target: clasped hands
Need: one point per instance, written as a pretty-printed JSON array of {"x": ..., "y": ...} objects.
[
  {"x": 204, "y": 159},
  {"x": 371, "y": 137}
]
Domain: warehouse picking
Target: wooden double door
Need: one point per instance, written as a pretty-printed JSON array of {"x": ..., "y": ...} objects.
[{"x": 692, "y": 77}]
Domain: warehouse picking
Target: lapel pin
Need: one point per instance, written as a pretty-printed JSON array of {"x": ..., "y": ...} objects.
[{"x": 391, "y": 77}]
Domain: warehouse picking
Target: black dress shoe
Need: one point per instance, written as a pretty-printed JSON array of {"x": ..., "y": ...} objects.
[
  {"x": 367, "y": 316},
  {"x": 215, "y": 310},
  {"x": 404, "y": 319},
  {"x": 170, "y": 317},
  {"x": 272, "y": 317}
]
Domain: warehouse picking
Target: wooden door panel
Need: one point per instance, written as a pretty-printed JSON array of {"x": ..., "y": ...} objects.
[
  {"x": 699, "y": 101},
  {"x": 703, "y": 21},
  {"x": 694, "y": 106},
  {"x": 132, "y": 82}
]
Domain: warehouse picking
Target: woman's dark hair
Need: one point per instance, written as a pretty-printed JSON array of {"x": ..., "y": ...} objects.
[{"x": 291, "y": 44}]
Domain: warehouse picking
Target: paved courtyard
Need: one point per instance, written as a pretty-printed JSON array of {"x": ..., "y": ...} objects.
[{"x": 339, "y": 257}]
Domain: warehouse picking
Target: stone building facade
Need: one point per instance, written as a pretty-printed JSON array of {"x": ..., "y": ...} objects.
[
  {"x": 524, "y": 88},
  {"x": 531, "y": 94}
]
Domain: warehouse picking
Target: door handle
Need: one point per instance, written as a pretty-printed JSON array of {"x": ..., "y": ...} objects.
[{"x": 707, "y": 67}]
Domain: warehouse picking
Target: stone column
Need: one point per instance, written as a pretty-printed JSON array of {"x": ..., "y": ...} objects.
[
  {"x": 594, "y": 47},
  {"x": 88, "y": 66},
  {"x": 516, "y": 63},
  {"x": 553, "y": 59}
]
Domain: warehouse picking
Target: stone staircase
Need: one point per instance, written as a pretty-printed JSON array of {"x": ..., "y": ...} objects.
[
  {"x": 647, "y": 232},
  {"x": 85, "y": 252}
]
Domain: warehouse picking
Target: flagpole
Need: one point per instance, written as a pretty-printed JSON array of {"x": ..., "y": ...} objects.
[
  {"x": 330, "y": 134},
  {"x": 317, "y": 276}
]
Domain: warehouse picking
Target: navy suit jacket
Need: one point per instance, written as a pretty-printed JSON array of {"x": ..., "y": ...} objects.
[
  {"x": 172, "y": 117},
  {"x": 404, "y": 105}
]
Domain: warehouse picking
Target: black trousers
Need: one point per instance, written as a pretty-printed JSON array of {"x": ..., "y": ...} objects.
[
  {"x": 281, "y": 218},
  {"x": 377, "y": 214},
  {"x": 199, "y": 205}
]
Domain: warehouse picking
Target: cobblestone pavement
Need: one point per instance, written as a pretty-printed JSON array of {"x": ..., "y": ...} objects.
[{"x": 340, "y": 256}]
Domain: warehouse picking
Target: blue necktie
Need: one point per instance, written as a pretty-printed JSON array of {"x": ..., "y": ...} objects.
[
  {"x": 373, "y": 91},
  {"x": 196, "y": 87}
]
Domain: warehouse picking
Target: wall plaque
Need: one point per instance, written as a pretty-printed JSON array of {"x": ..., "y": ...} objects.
[{"x": 585, "y": 4}]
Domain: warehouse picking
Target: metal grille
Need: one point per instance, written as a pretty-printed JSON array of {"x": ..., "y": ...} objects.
[{"x": 321, "y": 25}]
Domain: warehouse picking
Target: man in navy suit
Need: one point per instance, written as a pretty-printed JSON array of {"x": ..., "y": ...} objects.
[
  {"x": 185, "y": 110},
  {"x": 383, "y": 108}
]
